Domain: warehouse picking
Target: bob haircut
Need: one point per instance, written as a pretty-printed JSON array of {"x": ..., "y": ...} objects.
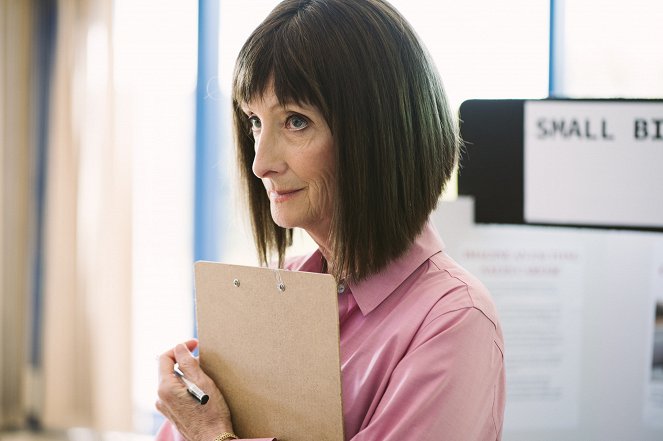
[{"x": 361, "y": 64}]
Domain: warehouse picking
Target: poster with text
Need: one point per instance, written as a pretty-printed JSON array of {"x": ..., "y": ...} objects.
[
  {"x": 538, "y": 290},
  {"x": 654, "y": 396}
]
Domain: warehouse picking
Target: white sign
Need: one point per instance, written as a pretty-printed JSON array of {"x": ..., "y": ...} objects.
[{"x": 594, "y": 163}]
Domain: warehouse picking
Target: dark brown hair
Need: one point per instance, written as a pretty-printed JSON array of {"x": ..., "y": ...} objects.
[{"x": 361, "y": 64}]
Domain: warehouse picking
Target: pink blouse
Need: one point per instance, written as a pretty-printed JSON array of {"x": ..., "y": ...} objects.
[{"x": 421, "y": 351}]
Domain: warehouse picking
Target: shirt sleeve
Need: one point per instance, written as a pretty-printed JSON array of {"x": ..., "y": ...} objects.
[
  {"x": 448, "y": 386},
  {"x": 168, "y": 432}
]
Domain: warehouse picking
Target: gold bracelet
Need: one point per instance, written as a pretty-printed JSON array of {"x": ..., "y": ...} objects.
[{"x": 225, "y": 435}]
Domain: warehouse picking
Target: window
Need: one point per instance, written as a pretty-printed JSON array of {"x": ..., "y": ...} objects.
[
  {"x": 155, "y": 45},
  {"x": 611, "y": 49}
]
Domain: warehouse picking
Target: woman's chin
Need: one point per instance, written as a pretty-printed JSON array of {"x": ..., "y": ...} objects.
[{"x": 284, "y": 222}]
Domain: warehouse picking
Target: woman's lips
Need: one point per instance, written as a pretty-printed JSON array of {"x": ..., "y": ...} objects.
[{"x": 283, "y": 195}]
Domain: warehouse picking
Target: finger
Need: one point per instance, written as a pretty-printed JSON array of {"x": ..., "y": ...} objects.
[
  {"x": 188, "y": 364},
  {"x": 170, "y": 387},
  {"x": 166, "y": 364},
  {"x": 191, "y": 344},
  {"x": 167, "y": 360}
]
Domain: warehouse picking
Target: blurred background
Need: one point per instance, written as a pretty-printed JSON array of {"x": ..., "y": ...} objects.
[{"x": 116, "y": 170}]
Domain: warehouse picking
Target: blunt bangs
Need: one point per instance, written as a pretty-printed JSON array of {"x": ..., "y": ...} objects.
[{"x": 273, "y": 53}]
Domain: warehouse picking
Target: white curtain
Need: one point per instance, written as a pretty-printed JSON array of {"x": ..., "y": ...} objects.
[
  {"x": 16, "y": 149},
  {"x": 87, "y": 280}
]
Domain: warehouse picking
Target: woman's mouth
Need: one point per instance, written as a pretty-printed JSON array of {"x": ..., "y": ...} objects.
[{"x": 283, "y": 195}]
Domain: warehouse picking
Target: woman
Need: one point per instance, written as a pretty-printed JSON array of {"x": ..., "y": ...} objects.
[{"x": 343, "y": 129}]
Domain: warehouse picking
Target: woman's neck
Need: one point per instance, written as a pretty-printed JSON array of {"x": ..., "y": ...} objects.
[{"x": 323, "y": 245}]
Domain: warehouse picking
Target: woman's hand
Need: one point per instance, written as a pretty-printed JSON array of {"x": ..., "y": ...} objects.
[{"x": 194, "y": 421}]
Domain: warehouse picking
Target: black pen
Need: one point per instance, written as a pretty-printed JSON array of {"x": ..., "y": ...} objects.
[{"x": 191, "y": 387}]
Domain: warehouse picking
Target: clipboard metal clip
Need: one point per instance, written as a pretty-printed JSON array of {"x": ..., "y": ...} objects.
[{"x": 280, "y": 285}]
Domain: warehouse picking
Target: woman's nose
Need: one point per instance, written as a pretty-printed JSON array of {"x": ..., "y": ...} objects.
[{"x": 269, "y": 158}]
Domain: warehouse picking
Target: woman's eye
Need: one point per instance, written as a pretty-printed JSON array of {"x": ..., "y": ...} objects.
[
  {"x": 296, "y": 122},
  {"x": 255, "y": 123}
]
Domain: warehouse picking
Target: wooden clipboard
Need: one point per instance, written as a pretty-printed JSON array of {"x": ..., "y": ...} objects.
[{"x": 270, "y": 341}]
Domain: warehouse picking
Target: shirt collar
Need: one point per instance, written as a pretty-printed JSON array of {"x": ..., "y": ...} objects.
[{"x": 372, "y": 291}]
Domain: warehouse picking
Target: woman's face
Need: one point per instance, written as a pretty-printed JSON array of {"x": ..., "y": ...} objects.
[{"x": 294, "y": 158}]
